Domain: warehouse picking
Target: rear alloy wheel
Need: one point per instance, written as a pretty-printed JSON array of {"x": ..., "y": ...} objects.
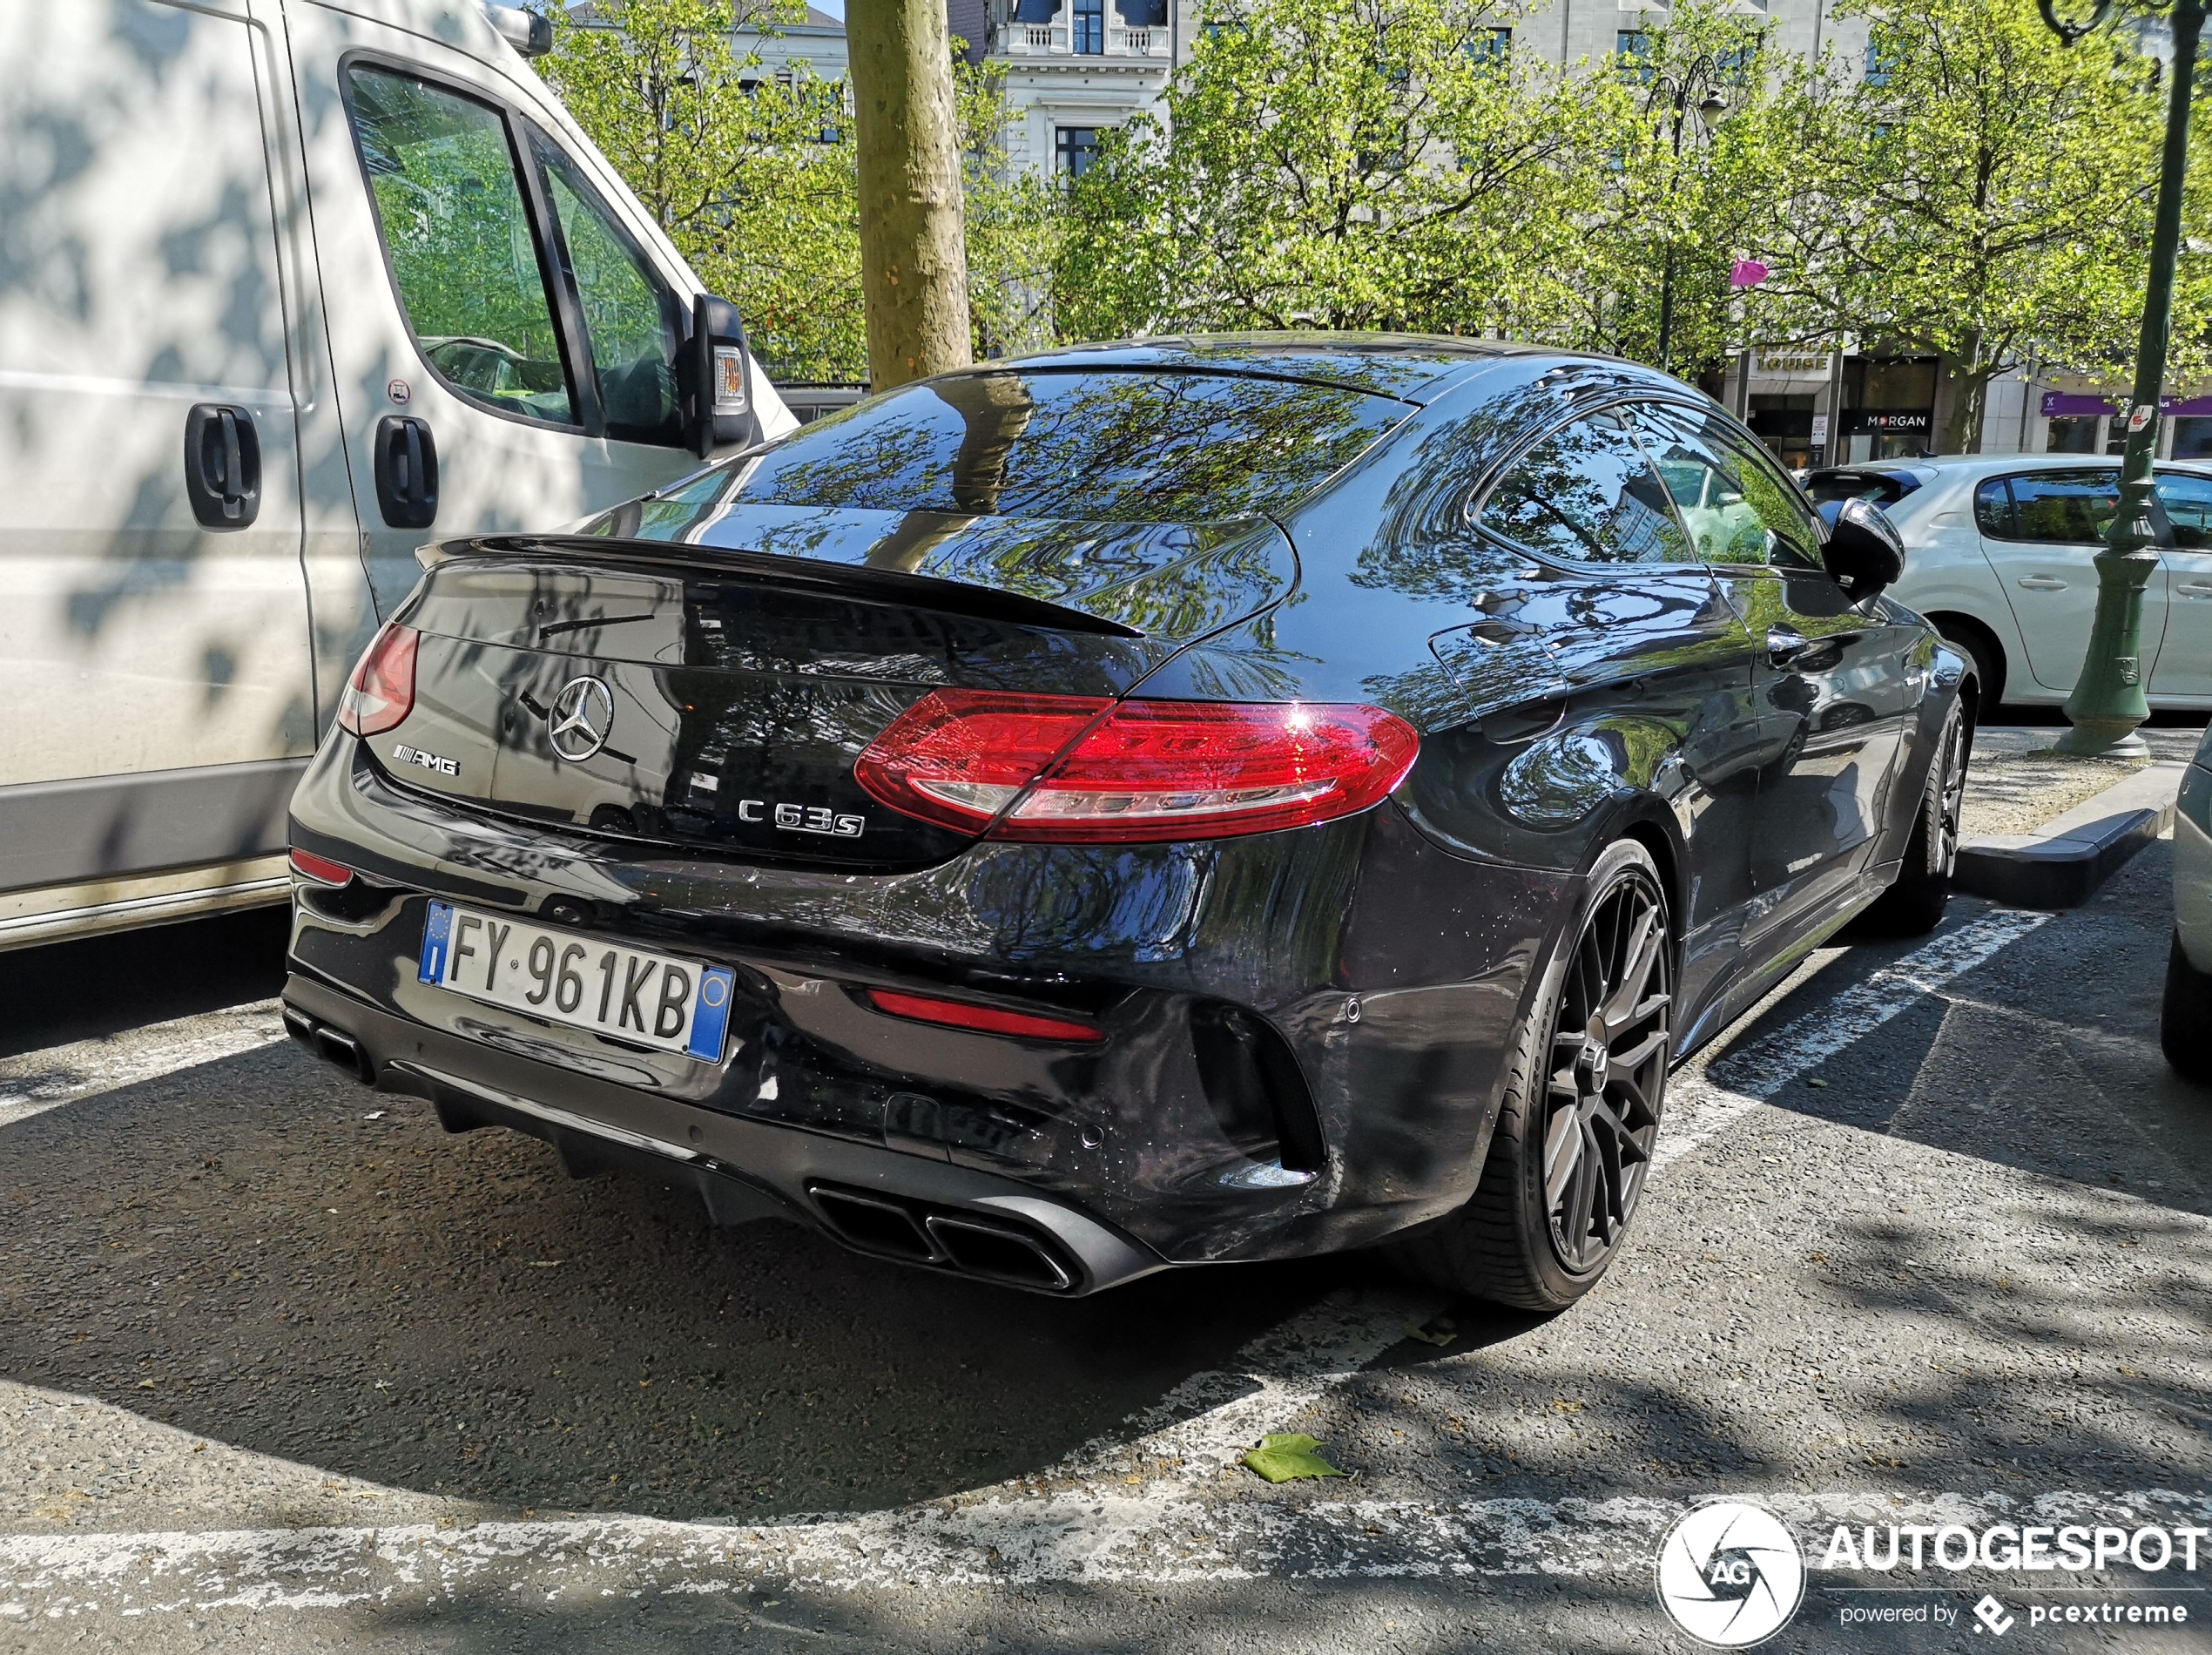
[
  {"x": 1914, "y": 903},
  {"x": 1580, "y": 1114}
]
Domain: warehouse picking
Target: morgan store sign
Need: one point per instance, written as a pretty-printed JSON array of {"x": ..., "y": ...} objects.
[{"x": 1887, "y": 422}]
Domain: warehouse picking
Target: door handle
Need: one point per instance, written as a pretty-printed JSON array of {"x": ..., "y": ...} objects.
[
  {"x": 222, "y": 465},
  {"x": 406, "y": 471},
  {"x": 2196, "y": 588},
  {"x": 2043, "y": 584},
  {"x": 1785, "y": 647}
]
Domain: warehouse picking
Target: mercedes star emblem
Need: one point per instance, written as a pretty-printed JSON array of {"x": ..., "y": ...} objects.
[{"x": 582, "y": 718}]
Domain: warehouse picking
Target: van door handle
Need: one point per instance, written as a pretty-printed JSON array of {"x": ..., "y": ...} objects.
[
  {"x": 406, "y": 471},
  {"x": 2196, "y": 588},
  {"x": 222, "y": 465},
  {"x": 2043, "y": 584}
]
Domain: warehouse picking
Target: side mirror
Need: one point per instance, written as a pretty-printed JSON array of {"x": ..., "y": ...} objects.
[
  {"x": 1864, "y": 551},
  {"x": 719, "y": 370}
]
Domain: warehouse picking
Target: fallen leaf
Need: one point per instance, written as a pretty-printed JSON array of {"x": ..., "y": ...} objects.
[
  {"x": 1428, "y": 1338},
  {"x": 1288, "y": 1455},
  {"x": 1815, "y": 1080}
]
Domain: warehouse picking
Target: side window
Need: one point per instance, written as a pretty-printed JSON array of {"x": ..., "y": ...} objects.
[
  {"x": 2064, "y": 508},
  {"x": 628, "y": 311},
  {"x": 1737, "y": 508},
  {"x": 1585, "y": 494},
  {"x": 1993, "y": 510},
  {"x": 2188, "y": 501},
  {"x": 451, "y": 211}
]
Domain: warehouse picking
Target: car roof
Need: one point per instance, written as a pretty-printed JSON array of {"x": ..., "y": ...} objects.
[{"x": 1412, "y": 367}]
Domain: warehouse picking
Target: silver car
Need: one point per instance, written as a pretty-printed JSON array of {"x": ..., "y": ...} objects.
[{"x": 1999, "y": 556}]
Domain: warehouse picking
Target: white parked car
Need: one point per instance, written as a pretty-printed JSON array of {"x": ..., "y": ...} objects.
[
  {"x": 2185, "y": 1024},
  {"x": 287, "y": 287},
  {"x": 1998, "y": 555}
]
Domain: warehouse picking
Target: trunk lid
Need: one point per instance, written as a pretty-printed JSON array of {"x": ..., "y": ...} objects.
[{"x": 715, "y": 700}]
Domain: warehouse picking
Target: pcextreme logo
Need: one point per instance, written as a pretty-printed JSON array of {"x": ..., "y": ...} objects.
[{"x": 1730, "y": 1574}]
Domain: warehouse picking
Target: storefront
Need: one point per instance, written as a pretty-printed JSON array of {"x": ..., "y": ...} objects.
[
  {"x": 2084, "y": 424},
  {"x": 1889, "y": 407}
]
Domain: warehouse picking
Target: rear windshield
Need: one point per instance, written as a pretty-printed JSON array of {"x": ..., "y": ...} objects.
[
  {"x": 1884, "y": 488},
  {"x": 1121, "y": 446}
]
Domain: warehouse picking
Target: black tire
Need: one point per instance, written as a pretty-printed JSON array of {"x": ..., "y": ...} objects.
[
  {"x": 1914, "y": 903},
  {"x": 1981, "y": 647},
  {"x": 2185, "y": 1019},
  {"x": 1579, "y": 1116}
]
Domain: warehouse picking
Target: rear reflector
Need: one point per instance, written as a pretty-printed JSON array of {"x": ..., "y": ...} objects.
[
  {"x": 380, "y": 693},
  {"x": 321, "y": 871},
  {"x": 1087, "y": 769},
  {"x": 959, "y": 1014}
]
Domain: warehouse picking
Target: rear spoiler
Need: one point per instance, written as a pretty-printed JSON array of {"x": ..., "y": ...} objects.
[{"x": 888, "y": 586}]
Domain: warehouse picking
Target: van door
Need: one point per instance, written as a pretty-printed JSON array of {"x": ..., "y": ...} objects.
[
  {"x": 504, "y": 339},
  {"x": 154, "y": 638}
]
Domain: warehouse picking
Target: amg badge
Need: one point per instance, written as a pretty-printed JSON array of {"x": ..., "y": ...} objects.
[{"x": 444, "y": 766}]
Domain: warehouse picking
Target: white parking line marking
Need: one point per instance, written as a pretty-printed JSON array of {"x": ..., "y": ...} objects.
[
  {"x": 1267, "y": 1386},
  {"x": 1087, "y": 1539},
  {"x": 39, "y": 1081},
  {"x": 1701, "y": 1101}
]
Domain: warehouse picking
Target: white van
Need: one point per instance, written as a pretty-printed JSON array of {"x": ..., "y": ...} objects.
[{"x": 286, "y": 288}]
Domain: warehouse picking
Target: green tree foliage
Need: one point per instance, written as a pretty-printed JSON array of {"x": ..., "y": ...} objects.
[
  {"x": 1343, "y": 164},
  {"x": 752, "y": 175},
  {"x": 1975, "y": 190},
  {"x": 1699, "y": 164}
]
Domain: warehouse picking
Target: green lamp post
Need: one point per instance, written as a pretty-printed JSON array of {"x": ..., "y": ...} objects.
[{"x": 2108, "y": 701}]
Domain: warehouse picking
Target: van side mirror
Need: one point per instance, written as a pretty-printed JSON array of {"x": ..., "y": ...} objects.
[
  {"x": 1864, "y": 551},
  {"x": 718, "y": 372}
]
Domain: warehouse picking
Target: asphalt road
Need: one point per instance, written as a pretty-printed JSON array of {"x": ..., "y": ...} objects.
[{"x": 283, "y": 1367}]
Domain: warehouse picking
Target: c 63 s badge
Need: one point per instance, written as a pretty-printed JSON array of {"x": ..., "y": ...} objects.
[
  {"x": 803, "y": 818},
  {"x": 437, "y": 762}
]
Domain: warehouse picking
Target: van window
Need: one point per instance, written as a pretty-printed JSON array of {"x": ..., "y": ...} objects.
[
  {"x": 628, "y": 311},
  {"x": 458, "y": 235}
]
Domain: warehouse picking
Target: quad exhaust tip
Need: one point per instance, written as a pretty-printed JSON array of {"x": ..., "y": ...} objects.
[
  {"x": 1003, "y": 1250},
  {"x": 333, "y": 1046}
]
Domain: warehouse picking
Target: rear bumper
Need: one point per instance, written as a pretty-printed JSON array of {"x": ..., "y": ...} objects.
[
  {"x": 928, "y": 1213},
  {"x": 1305, "y": 1032}
]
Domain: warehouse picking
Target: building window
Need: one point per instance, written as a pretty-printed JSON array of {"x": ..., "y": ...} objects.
[
  {"x": 1075, "y": 148},
  {"x": 2193, "y": 437},
  {"x": 1632, "y": 49},
  {"x": 1879, "y": 64},
  {"x": 2071, "y": 434},
  {"x": 1492, "y": 45},
  {"x": 1089, "y": 32}
]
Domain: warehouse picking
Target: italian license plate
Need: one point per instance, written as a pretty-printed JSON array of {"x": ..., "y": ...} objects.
[{"x": 581, "y": 982}]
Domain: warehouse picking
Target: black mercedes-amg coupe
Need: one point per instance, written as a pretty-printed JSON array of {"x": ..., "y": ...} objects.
[{"x": 1154, "y": 804}]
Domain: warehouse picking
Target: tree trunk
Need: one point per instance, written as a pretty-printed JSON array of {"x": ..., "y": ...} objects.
[
  {"x": 1969, "y": 385},
  {"x": 914, "y": 251}
]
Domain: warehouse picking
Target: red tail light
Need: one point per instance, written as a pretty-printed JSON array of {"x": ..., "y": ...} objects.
[
  {"x": 382, "y": 691},
  {"x": 1086, "y": 769},
  {"x": 320, "y": 870},
  {"x": 959, "y": 1014}
]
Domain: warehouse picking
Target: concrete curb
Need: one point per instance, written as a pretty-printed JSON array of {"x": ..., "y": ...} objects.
[{"x": 2061, "y": 864}]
